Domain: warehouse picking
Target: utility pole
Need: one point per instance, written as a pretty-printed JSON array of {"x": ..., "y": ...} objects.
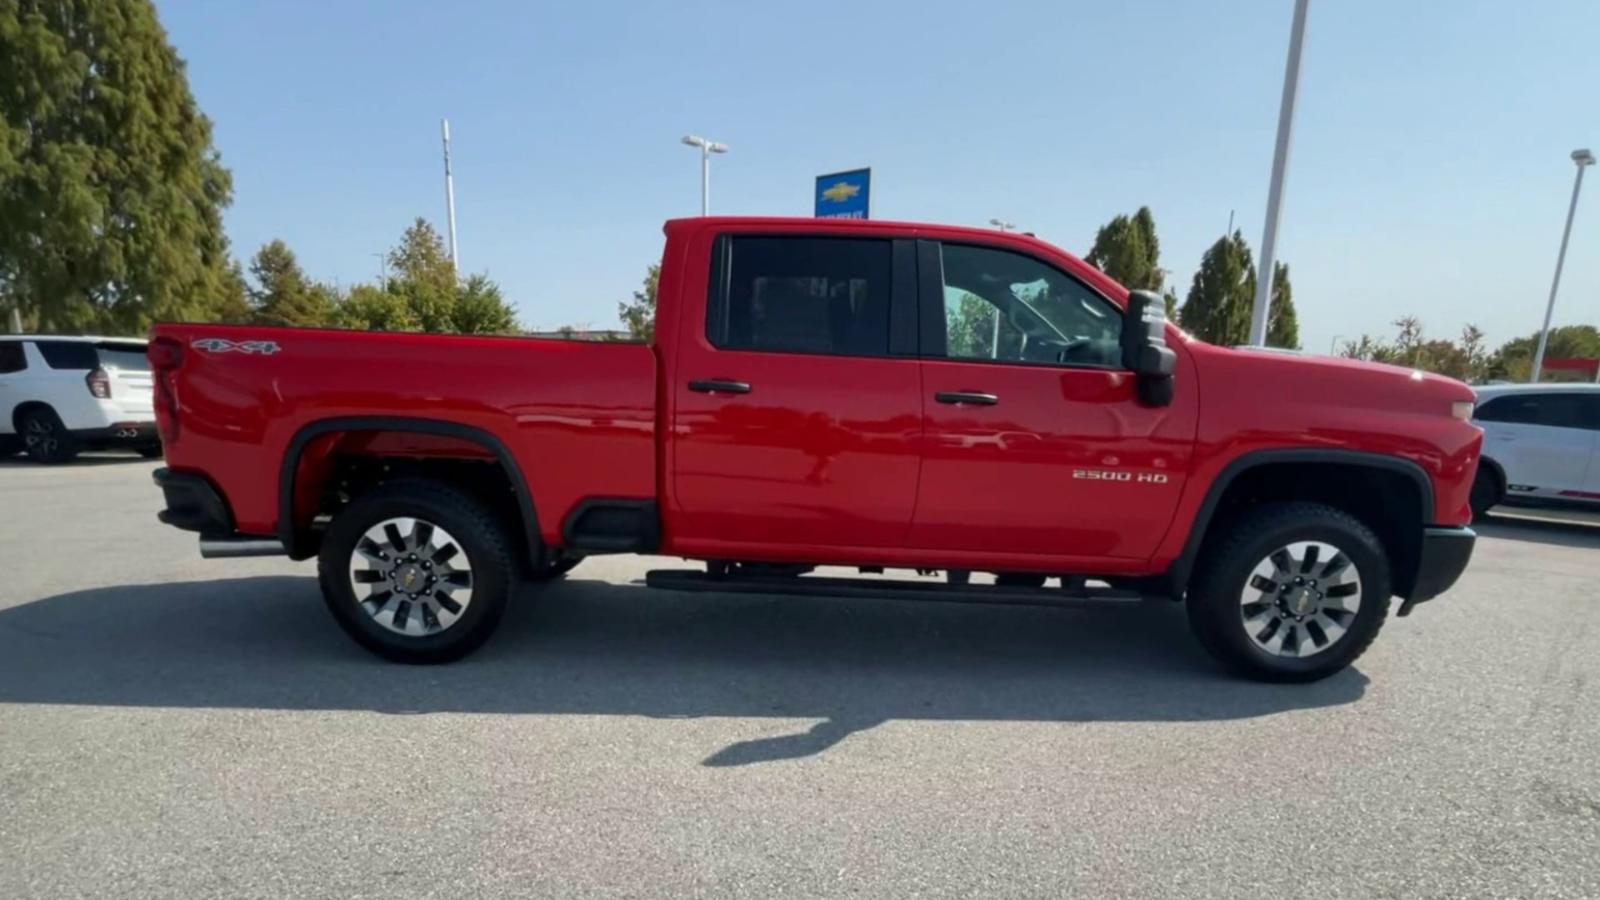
[
  {"x": 16, "y": 318},
  {"x": 1583, "y": 158},
  {"x": 1280, "y": 165},
  {"x": 450, "y": 197}
]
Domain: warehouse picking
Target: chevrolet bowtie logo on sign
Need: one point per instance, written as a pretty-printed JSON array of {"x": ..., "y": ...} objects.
[
  {"x": 223, "y": 345},
  {"x": 844, "y": 195},
  {"x": 841, "y": 191}
]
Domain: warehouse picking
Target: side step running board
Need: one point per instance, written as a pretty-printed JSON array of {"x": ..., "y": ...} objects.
[{"x": 888, "y": 589}]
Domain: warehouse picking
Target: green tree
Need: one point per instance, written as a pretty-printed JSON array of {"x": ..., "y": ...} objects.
[
  {"x": 1170, "y": 298},
  {"x": 372, "y": 308},
  {"x": 422, "y": 274},
  {"x": 1283, "y": 326},
  {"x": 639, "y": 315},
  {"x": 480, "y": 309},
  {"x": 1514, "y": 359},
  {"x": 1218, "y": 306},
  {"x": 422, "y": 293},
  {"x": 1126, "y": 248},
  {"x": 233, "y": 298},
  {"x": 1464, "y": 359},
  {"x": 283, "y": 295},
  {"x": 111, "y": 192}
]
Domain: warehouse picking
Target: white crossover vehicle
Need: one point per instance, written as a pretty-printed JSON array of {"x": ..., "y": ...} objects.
[
  {"x": 1540, "y": 442},
  {"x": 61, "y": 395}
]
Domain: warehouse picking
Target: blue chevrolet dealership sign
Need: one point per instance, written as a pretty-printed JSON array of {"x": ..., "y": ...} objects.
[{"x": 844, "y": 195}]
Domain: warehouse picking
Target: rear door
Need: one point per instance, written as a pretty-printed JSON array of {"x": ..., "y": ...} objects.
[
  {"x": 797, "y": 411},
  {"x": 1541, "y": 439}
]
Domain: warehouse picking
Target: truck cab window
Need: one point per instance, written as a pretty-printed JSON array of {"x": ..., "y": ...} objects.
[
  {"x": 802, "y": 295},
  {"x": 1008, "y": 307}
]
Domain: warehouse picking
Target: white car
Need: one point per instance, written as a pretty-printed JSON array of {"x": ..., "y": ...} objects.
[
  {"x": 61, "y": 395},
  {"x": 1540, "y": 442}
]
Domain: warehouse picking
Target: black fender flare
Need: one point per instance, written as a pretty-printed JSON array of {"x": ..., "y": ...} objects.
[
  {"x": 1177, "y": 574},
  {"x": 291, "y": 462}
]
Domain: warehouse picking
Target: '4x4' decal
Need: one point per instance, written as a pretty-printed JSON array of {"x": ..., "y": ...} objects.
[{"x": 223, "y": 345}]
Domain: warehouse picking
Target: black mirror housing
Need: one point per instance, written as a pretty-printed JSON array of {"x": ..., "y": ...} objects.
[{"x": 1144, "y": 347}]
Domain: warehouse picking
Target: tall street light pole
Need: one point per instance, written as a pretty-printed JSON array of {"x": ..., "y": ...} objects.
[
  {"x": 706, "y": 149},
  {"x": 450, "y": 195},
  {"x": 1280, "y": 163},
  {"x": 1583, "y": 159}
]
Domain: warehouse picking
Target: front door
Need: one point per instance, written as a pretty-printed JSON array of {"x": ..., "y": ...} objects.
[
  {"x": 794, "y": 425},
  {"x": 1034, "y": 440}
]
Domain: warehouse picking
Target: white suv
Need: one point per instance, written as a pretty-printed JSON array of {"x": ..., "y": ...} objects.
[
  {"x": 60, "y": 395},
  {"x": 1540, "y": 441}
]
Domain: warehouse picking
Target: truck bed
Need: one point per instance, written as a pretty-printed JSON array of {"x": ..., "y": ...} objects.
[{"x": 576, "y": 418}]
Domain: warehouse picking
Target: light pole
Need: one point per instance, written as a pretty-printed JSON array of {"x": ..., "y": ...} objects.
[
  {"x": 383, "y": 269},
  {"x": 1583, "y": 159},
  {"x": 706, "y": 149},
  {"x": 1003, "y": 225},
  {"x": 1280, "y": 164},
  {"x": 1333, "y": 349}
]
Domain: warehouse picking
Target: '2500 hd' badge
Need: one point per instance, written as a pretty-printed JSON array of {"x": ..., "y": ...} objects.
[
  {"x": 1114, "y": 475},
  {"x": 223, "y": 345}
]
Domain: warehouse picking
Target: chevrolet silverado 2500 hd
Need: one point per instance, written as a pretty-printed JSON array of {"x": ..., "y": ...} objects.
[{"x": 829, "y": 392}]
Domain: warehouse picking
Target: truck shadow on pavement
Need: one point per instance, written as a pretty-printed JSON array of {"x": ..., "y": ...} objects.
[{"x": 596, "y": 648}]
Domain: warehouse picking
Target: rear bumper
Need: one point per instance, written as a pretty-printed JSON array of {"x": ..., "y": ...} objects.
[
  {"x": 1444, "y": 556},
  {"x": 193, "y": 504}
]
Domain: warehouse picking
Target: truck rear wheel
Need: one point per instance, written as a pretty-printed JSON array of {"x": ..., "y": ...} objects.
[
  {"x": 1294, "y": 592},
  {"x": 416, "y": 572}
]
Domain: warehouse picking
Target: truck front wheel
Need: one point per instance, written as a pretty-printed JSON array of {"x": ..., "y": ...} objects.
[
  {"x": 1293, "y": 592},
  {"x": 416, "y": 572}
]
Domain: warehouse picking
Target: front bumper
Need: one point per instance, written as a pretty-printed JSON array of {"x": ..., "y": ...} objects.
[{"x": 1443, "y": 557}]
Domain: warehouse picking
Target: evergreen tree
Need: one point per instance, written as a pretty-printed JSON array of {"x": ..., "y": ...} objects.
[
  {"x": 1283, "y": 326},
  {"x": 283, "y": 294},
  {"x": 1217, "y": 308},
  {"x": 1126, "y": 248},
  {"x": 111, "y": 192}
]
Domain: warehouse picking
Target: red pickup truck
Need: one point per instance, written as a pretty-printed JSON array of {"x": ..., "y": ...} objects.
[{"x": 843, "y": 393}]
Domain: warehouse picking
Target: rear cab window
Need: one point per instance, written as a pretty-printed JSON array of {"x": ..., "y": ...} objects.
[{"x": 801, "y": 295}]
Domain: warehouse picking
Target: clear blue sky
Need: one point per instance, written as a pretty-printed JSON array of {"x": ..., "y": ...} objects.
[{"x": 1429, "y": 171}]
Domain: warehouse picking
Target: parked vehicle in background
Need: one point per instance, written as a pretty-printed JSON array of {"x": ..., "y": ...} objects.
[
  {"x": 1541, "y": 443},
  {"x": 63, "y": 395},
  {"x": 834, "y": 392}
]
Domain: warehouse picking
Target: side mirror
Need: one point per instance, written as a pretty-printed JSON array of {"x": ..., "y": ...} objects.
[{"x": 1144, "y": 347}]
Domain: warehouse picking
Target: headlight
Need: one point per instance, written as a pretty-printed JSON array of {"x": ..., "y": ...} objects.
[{"x": 1462, "y": 409}]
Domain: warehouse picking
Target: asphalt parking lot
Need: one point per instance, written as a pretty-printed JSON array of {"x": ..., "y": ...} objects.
[{"x": 176, "y": 727}]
